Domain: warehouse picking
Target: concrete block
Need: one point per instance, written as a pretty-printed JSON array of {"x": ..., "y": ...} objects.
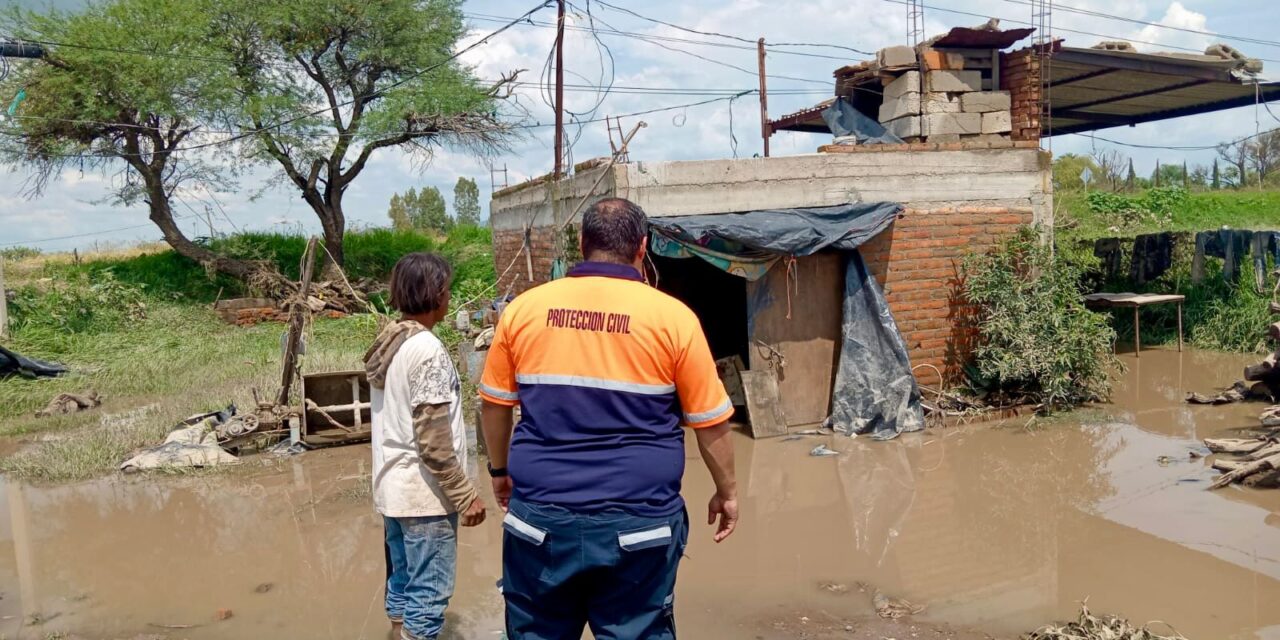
[
  {"x": 899, "y": 56},
  {"x": 908, "y": 127},
  {"x": 943, "y": 138},
  {"x": 955, "y": 81},
  {"x": 984, "y": 101},
  {"x": 996, "y": 122},
  {"x": 960, "y": 123},
  {"x": 908, "y": 104},
  {"x": 934, "y": 60},
  {"x": 908, "y": 82},
  {"x": 941, "y": 103}
]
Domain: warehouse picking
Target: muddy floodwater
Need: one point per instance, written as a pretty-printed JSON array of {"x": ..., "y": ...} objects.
[{"x": 997, "y": 529}]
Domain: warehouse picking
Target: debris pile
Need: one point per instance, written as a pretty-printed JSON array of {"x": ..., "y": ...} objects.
[
  {"x": 66, "y": 403},
  {"x": 1257, "y": 461},
  {"x": 327, "y": 298},
  {"x": 1090, "y": 627}
]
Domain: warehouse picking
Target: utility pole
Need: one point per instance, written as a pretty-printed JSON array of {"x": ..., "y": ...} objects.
[
  {"x": 559, "y": 166},
  {"x": 764, "y": 99}
]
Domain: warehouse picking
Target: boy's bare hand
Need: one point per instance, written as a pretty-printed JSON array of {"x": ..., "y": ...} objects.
[{"x": 474, "y": 514}]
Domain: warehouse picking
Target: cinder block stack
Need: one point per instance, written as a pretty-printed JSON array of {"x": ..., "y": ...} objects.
[{"x": 947, "y": 97}]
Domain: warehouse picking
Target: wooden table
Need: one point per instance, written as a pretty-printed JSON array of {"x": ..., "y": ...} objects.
[{"x": 1137, "y": 301}]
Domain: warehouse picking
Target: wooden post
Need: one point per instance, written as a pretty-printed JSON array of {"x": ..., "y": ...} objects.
[
  {"x": 559, "y": 166},
  {"x": 297, "y": 317},
  {"x": 1179, "y": 327},
  {"x": 1137, "y": 334},
  {"x": 764, "y": 99},
  {"x": 4, "y": 304}
]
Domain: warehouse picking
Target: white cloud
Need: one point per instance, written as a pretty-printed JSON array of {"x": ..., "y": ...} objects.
[{"x": 1182, "y": 18}]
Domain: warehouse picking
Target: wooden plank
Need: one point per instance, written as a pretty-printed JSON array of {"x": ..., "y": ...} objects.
[
  {"x": 297, "y": 317},
  {"x": 763, "y": 406},
  {"x": 808, "y": 342}
]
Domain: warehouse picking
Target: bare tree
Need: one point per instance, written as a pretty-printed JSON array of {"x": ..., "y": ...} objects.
[{"x": 1112, "y": 165}]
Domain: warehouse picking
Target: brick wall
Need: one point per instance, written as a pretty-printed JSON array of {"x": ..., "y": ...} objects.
[
  {"x": 1020, "y": 76},
  {"x": 513, "y": 268},
  {"x": 917, "y": 262}
]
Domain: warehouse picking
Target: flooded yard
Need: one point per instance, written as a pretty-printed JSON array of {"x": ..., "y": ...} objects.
[{"x": 996, "y": 528}]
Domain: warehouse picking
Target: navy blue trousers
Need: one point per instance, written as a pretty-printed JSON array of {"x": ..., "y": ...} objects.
[{"x": 563, "y": 570}]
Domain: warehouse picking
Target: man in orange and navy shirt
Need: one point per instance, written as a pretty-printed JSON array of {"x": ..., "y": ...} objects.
[{"x": 606, "y": 370}]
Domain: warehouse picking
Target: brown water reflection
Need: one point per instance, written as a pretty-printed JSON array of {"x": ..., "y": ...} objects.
[{"x": 997, "y": 528}]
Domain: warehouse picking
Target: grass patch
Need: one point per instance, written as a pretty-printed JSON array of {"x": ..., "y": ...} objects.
[
  {"x": 136, "y": 326},
  {"x": 163, "y": 274},
  {"x": 1114, "y": 214}
]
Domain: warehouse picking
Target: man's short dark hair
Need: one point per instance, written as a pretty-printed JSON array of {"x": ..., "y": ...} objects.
[
  {"x": 419, "y": 283},
  {"x": 613, "y": 229}
]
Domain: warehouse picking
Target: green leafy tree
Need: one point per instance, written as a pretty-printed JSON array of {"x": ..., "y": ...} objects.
[
  {"x": 1067, "y": 169},
  {"x": 399, "y": 213},
  {"x": 466, "y": 202},
  {"x": 100, "y": 105},
  {"x": 428, "y": 211},
  {"x": 384, "y": 72}
]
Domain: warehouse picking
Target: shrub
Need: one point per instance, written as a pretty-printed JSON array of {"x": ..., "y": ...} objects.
[
  {"x": 1154, "y": 206},
  {"x": 82, "y": 304},
  {"x": 19, "y": 253},
  {"x": 1036, "y": 340}
]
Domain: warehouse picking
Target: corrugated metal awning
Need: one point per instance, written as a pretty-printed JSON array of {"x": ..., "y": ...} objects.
[{"x": 1095, "y": 89}]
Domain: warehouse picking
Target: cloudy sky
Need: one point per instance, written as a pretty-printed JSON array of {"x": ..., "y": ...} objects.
[{"x": 646, "y": 75}]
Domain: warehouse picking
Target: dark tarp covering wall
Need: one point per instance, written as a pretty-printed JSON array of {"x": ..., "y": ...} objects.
[{"x": 874, "y": 391}]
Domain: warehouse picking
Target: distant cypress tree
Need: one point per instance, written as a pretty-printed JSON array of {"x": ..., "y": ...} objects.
[{"x": 1217, "y": 178}]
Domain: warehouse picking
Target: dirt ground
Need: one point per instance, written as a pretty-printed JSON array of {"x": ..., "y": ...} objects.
[{"x": 996, "y": 529}]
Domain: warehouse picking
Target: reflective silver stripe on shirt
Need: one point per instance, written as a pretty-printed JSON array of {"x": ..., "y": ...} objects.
[
  {"x": 535, "y": 534},
  {"x": 694, "y": 418},
  {"x": 637, "y": 537},
  {"x": 499, "y": 394},
  {"x": 596, "y": 383}
]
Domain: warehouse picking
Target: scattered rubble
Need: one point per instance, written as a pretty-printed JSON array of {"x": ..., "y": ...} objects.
[{"x": 67, "y": 403}]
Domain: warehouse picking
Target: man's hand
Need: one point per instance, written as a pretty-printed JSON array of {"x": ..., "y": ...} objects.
[
  {"x": 502, "y": 491},
  {"x": 474, "y": 514},
  {"x": 727, "y": 509}
]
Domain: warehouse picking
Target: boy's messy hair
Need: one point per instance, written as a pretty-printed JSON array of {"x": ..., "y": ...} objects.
[{"x": 419, "y": 283}]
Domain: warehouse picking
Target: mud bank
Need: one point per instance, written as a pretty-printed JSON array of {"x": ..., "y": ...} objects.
[{"x": 996, "y": 528}]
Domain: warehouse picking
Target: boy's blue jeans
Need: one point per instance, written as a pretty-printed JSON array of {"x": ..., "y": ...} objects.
[
  {"x": 563, "y": 570},
  {"x": 423, "y": 554}
]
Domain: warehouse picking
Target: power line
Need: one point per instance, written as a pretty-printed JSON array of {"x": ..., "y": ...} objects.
[
  {"x": 721, "y": 63},
  {"x": 1063, "y": 29},
  {"x": 649, "y": 36},
  {"x": 1179, "y": 148},
  {"x": 725, "y": 36},
  {"x": 88, "y": 235},
  {"x": 1109, "y": 16}
]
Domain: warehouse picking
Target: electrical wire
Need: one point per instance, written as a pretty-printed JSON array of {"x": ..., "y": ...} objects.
[
  {"x": 751, "y": 72},
  {"x": 726, "y": 36},
  {"x": 664, "y": 38},
  {"x": 1057, "y": 28},
  {"x": 1108, "y": 16}
]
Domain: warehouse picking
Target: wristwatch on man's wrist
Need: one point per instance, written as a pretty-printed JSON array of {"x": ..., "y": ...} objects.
[{"x": 500, "y": 472}]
